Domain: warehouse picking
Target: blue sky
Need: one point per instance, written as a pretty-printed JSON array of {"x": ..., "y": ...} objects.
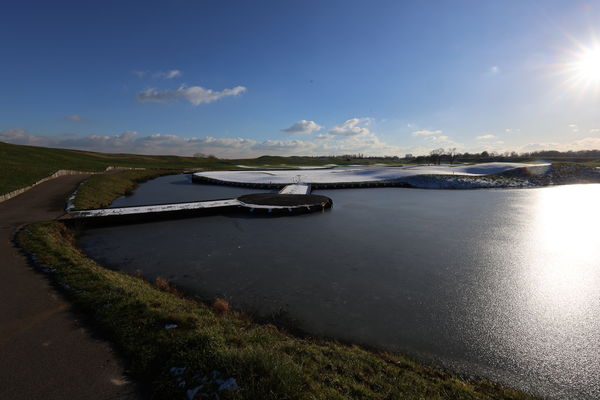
[{"x": 245, "y": 78}]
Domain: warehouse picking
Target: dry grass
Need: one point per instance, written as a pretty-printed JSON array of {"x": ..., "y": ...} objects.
[
  {"x": 221, "y": 306},
  {"x": 164, "y": 285}
]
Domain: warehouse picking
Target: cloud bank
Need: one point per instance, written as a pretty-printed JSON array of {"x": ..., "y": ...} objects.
[{"x": 236, "y": 147}]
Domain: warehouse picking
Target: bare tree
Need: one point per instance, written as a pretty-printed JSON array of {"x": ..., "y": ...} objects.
[
  {"x": 452, "y": 153},
  {"x": 436, "y": 155}
]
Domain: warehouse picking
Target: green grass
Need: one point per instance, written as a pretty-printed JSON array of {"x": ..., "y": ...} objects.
[
  {"x": 21, "y": 166},
  {"x": 266, "y": 362},
  {"x": 100, "y": 190}
]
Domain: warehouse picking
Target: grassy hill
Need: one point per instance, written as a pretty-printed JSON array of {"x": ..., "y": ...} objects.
[{"x": 23, "y": 165}]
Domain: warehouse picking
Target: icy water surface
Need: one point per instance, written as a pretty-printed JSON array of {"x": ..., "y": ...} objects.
[{"x": 497, "y": 283}]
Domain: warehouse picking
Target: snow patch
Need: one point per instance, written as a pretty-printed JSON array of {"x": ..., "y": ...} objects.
[
  {"x": 300, "y": 188},
  {"x": 103, "y": 212}
]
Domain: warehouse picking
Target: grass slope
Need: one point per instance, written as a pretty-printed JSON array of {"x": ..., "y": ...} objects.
[
  {"x": 21, "y": 166},
  {"x": 100, "y": 190},
  {"x": 180, "y": 347}
]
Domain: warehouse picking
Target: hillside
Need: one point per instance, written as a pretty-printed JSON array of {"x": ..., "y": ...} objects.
[{"x": 23, "y": 165}]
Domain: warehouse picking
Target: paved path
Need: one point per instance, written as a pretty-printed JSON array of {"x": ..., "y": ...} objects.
[{"x": 44, "y": 352}]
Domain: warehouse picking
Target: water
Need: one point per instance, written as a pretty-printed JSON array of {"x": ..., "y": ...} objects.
[{"x": 496, "y": 283}]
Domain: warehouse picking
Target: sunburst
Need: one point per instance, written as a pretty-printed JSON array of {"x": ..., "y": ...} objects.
[{"x": 582, "y": 69}]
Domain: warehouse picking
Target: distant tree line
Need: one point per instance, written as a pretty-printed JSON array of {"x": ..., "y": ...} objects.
[
  {"x": 444, "y": 156},
  {"x": 450, "y": 156}
]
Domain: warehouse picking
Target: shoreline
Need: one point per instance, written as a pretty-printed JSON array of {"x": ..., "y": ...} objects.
[
  {"x": 167, "y": 325},
  {"x": 424, "y": 379}
]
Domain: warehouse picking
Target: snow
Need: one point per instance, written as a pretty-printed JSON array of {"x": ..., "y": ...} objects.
[
  {"x": 119, "y": 211},
  {"x": 327, "y": 166},
  {"x": 283, "y": 166},
  {"x": 359, "y": 173},
  {"x": 296, "y": 189},
  {"x": 104, "y": 212}
]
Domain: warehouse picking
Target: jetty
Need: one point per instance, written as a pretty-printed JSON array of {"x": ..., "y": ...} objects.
[{"x": 292, "y": 199}]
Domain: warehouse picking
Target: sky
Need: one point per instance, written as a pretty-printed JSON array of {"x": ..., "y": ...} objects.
[{"x": 248, "y": 78}]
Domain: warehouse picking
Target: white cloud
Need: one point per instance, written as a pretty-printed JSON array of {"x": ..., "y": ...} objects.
[
  {"x": 173, "y": 73},
  {"x": 583, "y": 144},
  {"x": 426, "y": 133},
  {"x": 487, "y": 136},
  {"x": 442, "y": 141},
  {"x": 322, "y": 136},
  {"x": 494, "y": 70},
  {"x": 594, "y": 131},
  {"x": 74, "y": 117},
  {"x": 352, "y": 127},
  {"x": 441, "y": 138},
  {"x": 574, "y": 128},
  {"x": 13, "y": 135},
  {"x": 170, "y": 74},
  {"x": 303, "y": 127},
  {"x": 195, "y": 94},
  {"x": 283, "y": 146},
  {"x": 588, "y": 143},
  {"x": 114, "y": 144}
]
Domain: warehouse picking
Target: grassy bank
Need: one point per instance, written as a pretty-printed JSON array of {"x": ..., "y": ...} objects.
[
  {"x": 100, "y": 190},
  {"x": 176, "y": 345}
]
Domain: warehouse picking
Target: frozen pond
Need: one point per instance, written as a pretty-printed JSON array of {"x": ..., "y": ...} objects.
[{"x": 501, "y": 283}]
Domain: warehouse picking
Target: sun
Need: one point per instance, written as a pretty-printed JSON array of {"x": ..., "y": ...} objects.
[
  {"x": 587, "y": 67},
  {"x": 582, "y": 68}
]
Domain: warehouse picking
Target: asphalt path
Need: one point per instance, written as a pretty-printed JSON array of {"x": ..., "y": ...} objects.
[{"x": 45, "y": 352}]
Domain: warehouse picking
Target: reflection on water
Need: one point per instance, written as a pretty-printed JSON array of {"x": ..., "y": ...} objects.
[
  {"x": 537, "y": 314},
  {"x": 501, "y": 283},
  {"x": 566, "y": 228}
]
